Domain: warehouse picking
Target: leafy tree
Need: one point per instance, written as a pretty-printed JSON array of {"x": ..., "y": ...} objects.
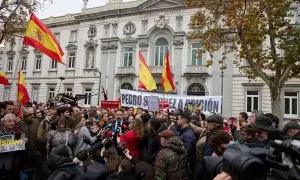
[
  {"x": 13, "y": 15},
  {"x": 259, "y": 32}
]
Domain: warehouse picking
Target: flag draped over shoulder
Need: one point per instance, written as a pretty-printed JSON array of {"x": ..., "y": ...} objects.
[
  {"x": 167, "y": 79},
  {"x": 41, "y": 38},
  {"x": 3, "y": 79},
  {"x": 146, "y": 80},
  {"x": 23, "y": 96}
]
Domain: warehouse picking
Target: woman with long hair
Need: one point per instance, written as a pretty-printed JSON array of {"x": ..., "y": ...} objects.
[
  {"x": 133, "y": 138},
  {"x": 112, "y": 159},
  {"x": 103, "y": 119}
]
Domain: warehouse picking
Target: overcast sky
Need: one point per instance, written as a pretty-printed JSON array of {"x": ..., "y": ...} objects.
[{"x": 62, "y": 7}]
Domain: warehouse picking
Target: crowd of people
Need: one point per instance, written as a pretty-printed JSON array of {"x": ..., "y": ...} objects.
[{"x": 70, "y": 142}]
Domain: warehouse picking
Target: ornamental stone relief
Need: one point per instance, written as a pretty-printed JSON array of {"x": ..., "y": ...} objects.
[
  {"x": 109, "y": 43},
  {"x": 129, "y": 29},
  {"x": 162, "y": 22}
]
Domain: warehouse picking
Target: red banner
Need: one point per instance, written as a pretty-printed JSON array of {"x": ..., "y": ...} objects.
[
  {"x": 164, "y": 105},
  {"x": 110, "y": 104}
]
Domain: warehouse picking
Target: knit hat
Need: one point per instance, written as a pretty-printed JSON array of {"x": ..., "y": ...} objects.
[
  {"x": 167, "y": 134},
  {"x": 215, "y": 118},
  {"x": 290, "y": 125}
]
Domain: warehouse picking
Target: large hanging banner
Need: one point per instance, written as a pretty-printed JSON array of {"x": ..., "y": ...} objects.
[{"x": 138, "y": 99}]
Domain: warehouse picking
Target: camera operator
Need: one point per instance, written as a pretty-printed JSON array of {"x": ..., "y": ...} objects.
[
  {"x": 265, "y": 131},
  {"x": 292, "y": 130}
]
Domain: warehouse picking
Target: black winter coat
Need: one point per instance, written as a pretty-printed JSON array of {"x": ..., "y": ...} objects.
[
  {"x": 120, "y": 176},
  {"x": 151, "y": 145},
  {"x": 68, "y": 171}
]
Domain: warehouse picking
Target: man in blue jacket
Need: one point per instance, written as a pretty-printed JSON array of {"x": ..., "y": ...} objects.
[{"x": 188, "y": 137}]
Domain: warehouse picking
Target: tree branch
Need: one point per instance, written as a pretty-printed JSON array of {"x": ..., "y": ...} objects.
[
  {"x": 284, "y": 75},
  {"x": 273, "y": 43},
  {"x": 251, "y": 61},
  {"x": 8, "y": 19}
]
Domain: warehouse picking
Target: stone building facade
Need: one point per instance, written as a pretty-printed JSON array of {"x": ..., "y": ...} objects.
[{"x": 109, "y": 38}]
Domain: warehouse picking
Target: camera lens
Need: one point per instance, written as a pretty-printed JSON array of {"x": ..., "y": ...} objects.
[{"x": 241, "y": 164}]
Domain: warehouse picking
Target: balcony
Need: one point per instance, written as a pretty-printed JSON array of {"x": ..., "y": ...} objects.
[
  {"x": 125, "y": 71},
  {"x": 196, "y": 70},
  {"x": 156, "y": 69}
]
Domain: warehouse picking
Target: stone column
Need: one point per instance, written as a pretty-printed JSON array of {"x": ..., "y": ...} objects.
[
  {"x": 143, "y": 42},
  {"x": 110, "y": 45},
  {"x": 176, "y": 61}
]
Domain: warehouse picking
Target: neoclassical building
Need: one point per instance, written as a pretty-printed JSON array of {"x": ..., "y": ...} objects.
[{"x": 109, "y": 38}]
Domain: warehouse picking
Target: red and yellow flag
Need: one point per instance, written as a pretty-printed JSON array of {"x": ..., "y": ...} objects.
[
  {"x": 167, "y": 79},
  {"x": 146, "y": 80},
  {"x": 3, "y": 79},
  {"x": 41, "y": 38},
  {"x": 23, "y": 96}
]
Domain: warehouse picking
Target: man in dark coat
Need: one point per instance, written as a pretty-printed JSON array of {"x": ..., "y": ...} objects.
[
  {"x": 214, "y": 123},
  {"x": 29, "y": 126},
  {"x": 61, "y": 167},
  {"x": 171, "y": 162},
  {"x": 188, "y": 137},
  {"x": 151, "y": 141},
  {"x": 119, "y": 125}
]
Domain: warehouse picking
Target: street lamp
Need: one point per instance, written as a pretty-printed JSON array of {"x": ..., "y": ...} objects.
[
  {"x": 222, "y": 68},
  {"x": 99, "y": 89}
]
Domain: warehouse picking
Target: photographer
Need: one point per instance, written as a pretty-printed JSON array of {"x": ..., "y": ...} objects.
[
  {"x": 292, "y": 130},
  {"x": 265, "y": 131}
]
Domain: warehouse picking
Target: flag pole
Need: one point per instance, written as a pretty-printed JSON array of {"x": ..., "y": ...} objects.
[{"x": 17, "y": 67}]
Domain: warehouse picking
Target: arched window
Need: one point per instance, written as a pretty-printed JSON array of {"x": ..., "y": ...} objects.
[
  {"x": 161, "y": 48},
  {"x": 126, "y": 86},
  {"x": 196, "y": 89}
]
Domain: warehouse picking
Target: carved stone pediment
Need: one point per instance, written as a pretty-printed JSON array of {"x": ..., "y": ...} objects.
[
  {"x": 37, "y": 52},
  {"x": 24, "y": 51},
  {"x": 129, "y": 39},
  {"x": 70, "y": 47},
  {"x": 11, "y": 52},
  {"x": 160, "y": 4}
]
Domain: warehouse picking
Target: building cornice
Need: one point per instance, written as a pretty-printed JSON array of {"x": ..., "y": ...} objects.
[{"x": 253, "y": 84}]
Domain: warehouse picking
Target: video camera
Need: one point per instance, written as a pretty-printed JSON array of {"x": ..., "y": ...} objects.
[{"x": 280, "y": 160}]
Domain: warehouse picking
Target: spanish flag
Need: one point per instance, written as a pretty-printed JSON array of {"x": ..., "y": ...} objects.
[
  {"x": 146, "y": 80},
  {"x": 167, "y": 79},
  {"x": 23, "y": 96},
  {"x": 41, "y": 38},
  {"x": 3, "y": 79}
]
